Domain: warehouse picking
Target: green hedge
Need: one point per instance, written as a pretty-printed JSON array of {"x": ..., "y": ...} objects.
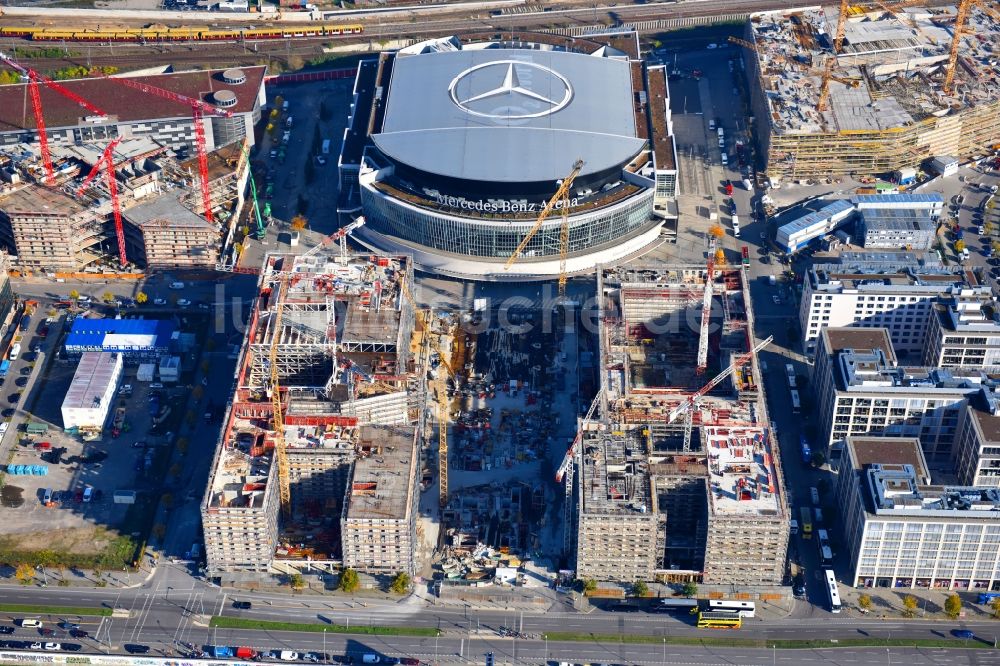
[{"x": 226, "y": 622}]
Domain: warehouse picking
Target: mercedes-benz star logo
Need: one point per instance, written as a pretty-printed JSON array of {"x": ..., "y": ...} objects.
[{"x": 517, "y": 100}]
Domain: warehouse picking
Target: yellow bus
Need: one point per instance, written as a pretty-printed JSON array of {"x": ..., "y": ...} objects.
[
  {"x": 807, "y": 526},
  {"x": 719, "y": 620}
]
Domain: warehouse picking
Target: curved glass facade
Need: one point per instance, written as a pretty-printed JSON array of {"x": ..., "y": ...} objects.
[{"x": 497, "y": 239}]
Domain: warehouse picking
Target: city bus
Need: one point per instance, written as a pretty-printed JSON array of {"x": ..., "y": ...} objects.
[
  {"x": 719, "y": 620},
  {"x": 831, "y": 591},
  {"x": 790, "y": 374},
  {"x": 676, "y": 604},
  {"x": 806, "y": 527},
  {"x": 744, "y": 608},
  {"x": 796, "y": 401}
]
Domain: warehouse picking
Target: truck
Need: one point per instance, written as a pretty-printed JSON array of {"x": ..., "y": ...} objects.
[
  {"x": 246, "y": 653},
  {"x": 805, "y": 450},
  {"x": 221, "y": 651}
]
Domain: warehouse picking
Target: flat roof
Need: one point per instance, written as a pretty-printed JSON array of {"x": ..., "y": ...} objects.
[
  {"x": 37, "y": 200},
  {"x": 742, "y": 476},
  {"x": 119, "y": 334},
  {"x": 382, "y": 481},
  {"x": 509, "y": 115},
  {"x": 166, "y": 211},
  {"x": 124, "y": 103},
  {"x": 95, "y": 372},
  {"x": 813, "y": 217},
  {"x": 837, "y": 339},
  {"x": 865, "y": 451}
]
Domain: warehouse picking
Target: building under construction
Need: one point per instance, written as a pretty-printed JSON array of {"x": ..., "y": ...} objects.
[
  {"x": 880, "y": 98},
  {"x": 678, "y": 454},
  {"x": 69, "y": 227},
  {"x": 329, "y": 346}
]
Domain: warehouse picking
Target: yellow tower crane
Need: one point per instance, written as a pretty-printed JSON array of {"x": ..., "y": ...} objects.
[
  {"x": 280, "y": 453},
  {"x": 824, "y": 86},
  {"x": 561, "y": 195},
  {"x": 961, "y": 18},
  {"x": 744, "y": 43}
]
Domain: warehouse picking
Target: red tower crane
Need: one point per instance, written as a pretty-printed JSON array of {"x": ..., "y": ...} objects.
[
  {"x": 108, "y": 161},
  {"x": 198, "y": 111},
  {"x": 34, "y": 78}
]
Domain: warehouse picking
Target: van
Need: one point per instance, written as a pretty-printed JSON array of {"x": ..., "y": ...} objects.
[
  {"x": 722, "y": 133},
  {"x": 288, "y": 655},
  {"x": 326, "y": 146},
  {"x": 370, "y": 658},
  {"x": 814, "y": 495},
  {"x": 31, "y": 623}
]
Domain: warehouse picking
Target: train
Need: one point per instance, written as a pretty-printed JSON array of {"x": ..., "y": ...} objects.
[{"x": 164, "y": 34}]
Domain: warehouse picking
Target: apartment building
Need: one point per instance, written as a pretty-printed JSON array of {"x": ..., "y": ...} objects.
[
  {"x": 379, "y": 522},
  {"x": 863, "y": 391},
  {"x": 867, "y": 293},
  {"x": 977, "y": 447},
  {"x": 164, "y": 234},
  {"x": 964, "y": 332},
  {"x": 49, "y": 230},
  {"x": 903, "y": 532}
]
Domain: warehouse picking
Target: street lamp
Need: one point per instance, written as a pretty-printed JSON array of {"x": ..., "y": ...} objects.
[{"x": 324, "y": 646}]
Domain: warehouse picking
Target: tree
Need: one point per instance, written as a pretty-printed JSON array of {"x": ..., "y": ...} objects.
[
  {"x": 818, "y": 459},
  {"x": 720, "y": 257},
  {"x": 640, "y": 589},
  {"x": 401, "y": 583},
  {"x": 108, "y": 297},
  {"x": 865, "y": 602},
  {"x": 159, "y": 530},
  {"x": 297, "y": 582},
  {"x": 298, "y": 222},
  {"x": 909, "y": 605},
  {"x": 25, "y": 573},
  {"x": 176, "y": 469},
  {"x": 690, "y": 589},
  {"x": 238, "y": 249},
  {"x": 349, "y": 581},
  {"x": 988, "y": 228},
  {"x": 182, "y": 444},
  {"x": 995, "y": 606},
  {"x": 953, "y": 606},
  {"x": 167, "y": 499},
  {"x": 141, "y": 297},
  {"x": 995, "y": 246},
  {"x": 74, "y": 294},
  {"x": 589, "y": 585},
  {"x": 716, "y": 231},
  {"x": 959, "y": 245}
]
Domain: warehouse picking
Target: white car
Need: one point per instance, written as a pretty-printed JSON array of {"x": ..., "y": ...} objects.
[
  {"x": 183, "y": 302},
  {"x": 176, "y": 285},
  {"x": 4, "y": 426},
  {"x": 159, "y": 301},
  {"x": 52, "y": 647}
]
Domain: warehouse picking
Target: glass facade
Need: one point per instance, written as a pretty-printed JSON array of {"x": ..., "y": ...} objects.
[
  {"x": 666, "y": 184},
  {"x": 497, "y": 238}
]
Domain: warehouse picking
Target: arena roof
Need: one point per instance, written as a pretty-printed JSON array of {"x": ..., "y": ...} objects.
[
  {"x": 509, "y": 115},
  {"x": 127, "y": 104}
]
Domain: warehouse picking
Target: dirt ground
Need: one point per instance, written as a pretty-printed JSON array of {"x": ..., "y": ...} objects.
[{"x": 78, "y": 540}]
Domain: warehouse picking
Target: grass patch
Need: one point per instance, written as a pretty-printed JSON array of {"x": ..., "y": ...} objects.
[
  {"x": 119, "y": 551},
  {"x": 53, "y": 610},
  {"x": 225, "y": 622},
  {"x": 781, "y": 644}
]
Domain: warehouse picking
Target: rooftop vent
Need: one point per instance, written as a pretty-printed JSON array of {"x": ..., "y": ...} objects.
[
  {"x": 234, "y": 76},
  {"x": 224, "y": 98}
]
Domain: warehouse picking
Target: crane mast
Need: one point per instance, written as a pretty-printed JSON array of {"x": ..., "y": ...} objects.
[
  {"x": 280, "y": 452},
  {"x": 560, "y": 195}
]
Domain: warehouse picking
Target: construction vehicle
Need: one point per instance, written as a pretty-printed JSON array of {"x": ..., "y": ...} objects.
[
  {"x": 34, "y": 78},
  {"x": 198, "y": 111},
  {"x": 560, "y": 198}
]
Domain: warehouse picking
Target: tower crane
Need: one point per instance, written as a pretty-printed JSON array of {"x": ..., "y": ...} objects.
[
  {"x": 34, "y": 78},
  {"x": 108, "y": 161},
  {"x": 341, "y": 235},
  {"x": 744, "y": 43},
  {"x": 697, "y": 395},
  {"x": 443, "y": 410},
  {"x": 567, "y": 461},
  {"x": 824, "y": 86},
  {"x": 563, "y": 246},
  {"x": 706, "y": 315},
  {"x": 280, "y": 452},
  {"x": 961, "y": 18},
  {"x": 561, "y": 195},
  {"x": 198, "y": 111}
]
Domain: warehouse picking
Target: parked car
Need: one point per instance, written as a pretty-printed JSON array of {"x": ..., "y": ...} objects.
[
  {"x": 159, "y": 301},
  {"x": 78, "y": 633},
  {"x": 52, "y": 647},
  {"x": 134, "y": 648},
  {"x": 183, "y": 302},
  {"x": 963, "y": 633}
]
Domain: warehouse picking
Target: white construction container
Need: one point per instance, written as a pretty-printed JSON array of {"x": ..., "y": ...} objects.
[
  {"x": 92, "y": 391},
  {"x": 146, "y": 373}
]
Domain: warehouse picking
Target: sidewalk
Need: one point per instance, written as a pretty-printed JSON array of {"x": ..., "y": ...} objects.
[{"x": 888, "y": 603}]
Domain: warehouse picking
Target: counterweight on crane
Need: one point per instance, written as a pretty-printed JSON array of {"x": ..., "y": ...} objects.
[
  {"x": 34, "y": 78},
  {"x": 559, "y": 198},
  {"x": 697, "y": 395},
  {"x": 198, "y": 111},
  {"x": 108, "y": 161}
]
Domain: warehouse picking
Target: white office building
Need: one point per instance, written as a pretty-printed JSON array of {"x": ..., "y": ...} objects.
[
  {"x": 964, "y": 332},
  {"x": 977, "y": 446},
  {"x": 799, "y": 232},
  {"x": 903, "y": 532},
  {"x": 871, "y": 294}
]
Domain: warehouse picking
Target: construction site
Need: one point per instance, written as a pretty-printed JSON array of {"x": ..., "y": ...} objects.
[
  {"x": 871, "y": 89},
  {"x": 675, "y": 453},
  {"x": 320, "y": 444}
]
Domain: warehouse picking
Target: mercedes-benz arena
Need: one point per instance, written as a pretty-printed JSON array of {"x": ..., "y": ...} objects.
[{"x": 455, "y": 146}]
